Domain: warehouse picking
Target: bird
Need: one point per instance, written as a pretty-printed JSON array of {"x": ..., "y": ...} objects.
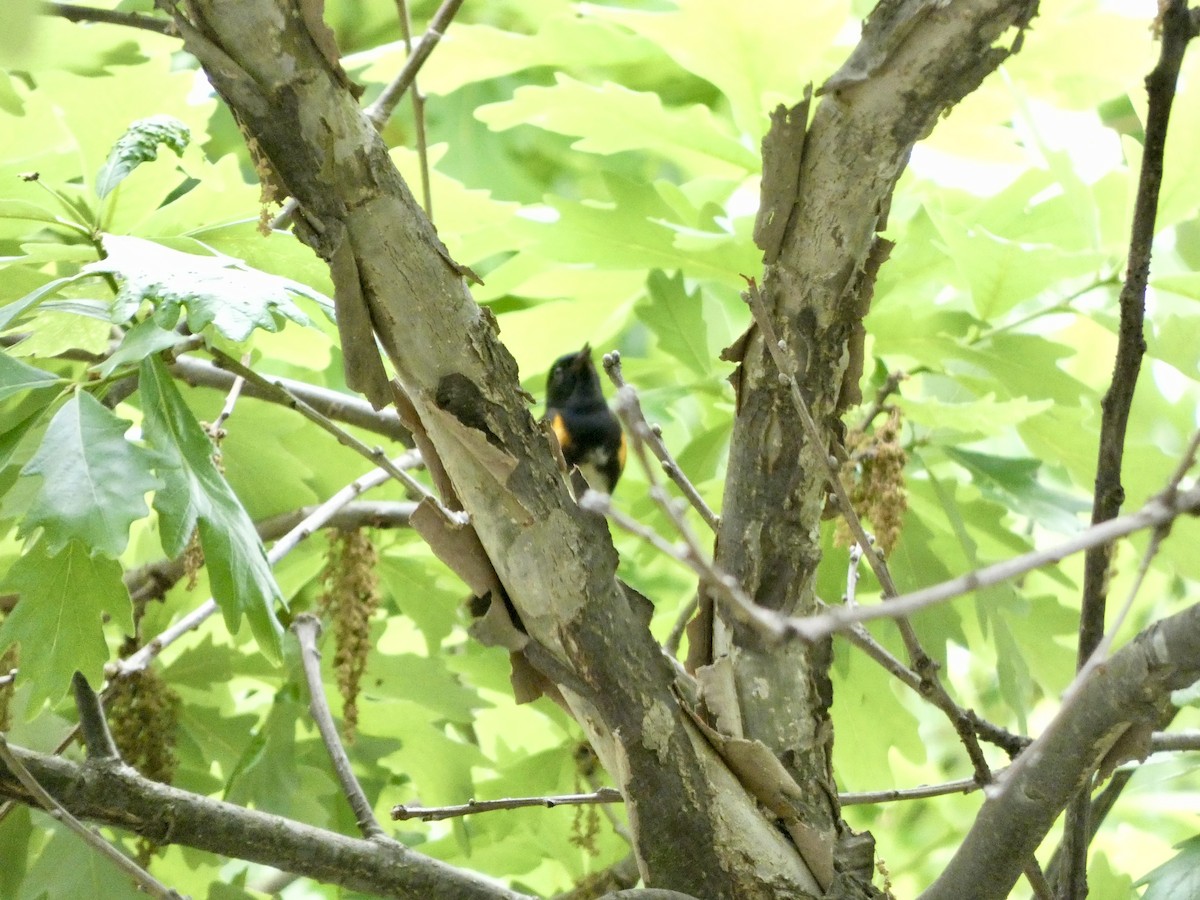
[{"x": 588, "y": 431}]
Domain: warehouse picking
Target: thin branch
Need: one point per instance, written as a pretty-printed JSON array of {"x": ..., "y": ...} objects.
[
  {"x": 653, "y": 438},
  {"x": 346, "y": 408},
  {"x": 923, "y": 792},
  {"x": 307, "y": 628},
  {"x": 855, "y": 557},
  {"x": 1157, "y": 511},
  {"x": 890, "y": 385},
  {"x": 1010, "y": 743},
  {"x": 675, "y": 638},
  {"x": 96, "y": 736},
  {"x": 418, "y": 105},
  {"x": 57, "y": 811},
  {"x": 75, "y": 13},
  {"x": 1109, "y": 495},
  {"x": 118, "y": 797},
  {"x": 231, "y": 399},
  {"x": 771, "y": 624},
  {"x": 374, "y": 454},
  {"x": 381, "y": 110},
  {"x": 155, "y": 579},
  {"x": 743, "y": 607},
  {"x": 1131, "y": 341},
  {"x": 438, "y": 813},
  {"x": 282, "y": 548}
]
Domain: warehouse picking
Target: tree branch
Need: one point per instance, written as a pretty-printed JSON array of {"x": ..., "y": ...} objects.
[
  {"x": 307, "y": 627},
  {"x": 438, "y": 813},
  {"x": 1157, "y": 512},
  {"x": 18, "y": 770},
  {"x": 827, "y": 185},
  {"x": 351, "y": 410},
  {"x": 75, "y": 13},
  {"x": 1131, "y": 346},
  {"x": 121, "y": 798},
  {"x": 1121, "y": 697}
]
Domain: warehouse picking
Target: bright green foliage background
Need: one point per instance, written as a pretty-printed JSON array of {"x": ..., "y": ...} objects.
[{"x": 597, "y": 164}]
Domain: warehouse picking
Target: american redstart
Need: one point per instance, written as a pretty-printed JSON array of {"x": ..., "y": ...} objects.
[{"x": 588, "y": 431}]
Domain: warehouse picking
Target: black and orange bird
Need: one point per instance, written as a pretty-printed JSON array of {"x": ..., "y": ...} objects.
[{"x": 587, "y": 430}]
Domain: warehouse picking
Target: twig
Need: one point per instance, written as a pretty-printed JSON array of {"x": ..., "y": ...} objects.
[
  {"x": 346, "y": 408},
  {"x": 1160, "y": 742},
  {"x": 57, "y": 811},
  {"x": 1010, "y": 743},
  {"x": 690, "y": 554},
  {"x": 381, "y": 110},
  {"x": 1177, "y": 31},
  {"x": 307, "y": 628},
  {"x": 374, "y": 454},
  {"x": 743, "y": 607},
  {"x": 851, "y": 598},
  {"x": 671, "y": 644},
  {"x": 1131, "y": 342},
  {"x": 96, "y": 736},
  {"x": 74, "y": 13},
  {"x": 653, "y": 438},
  {"x": 1157, "y": 511},
  {"x": 1037, "y": 879},
  {"x": 923, "y": 792},
  {"x": 890, "y": 385},
  {"x": 282, "y": 548},
  {"x": 418, "y": 105},
  {"x": 231, "y": 399},
  {"x": 438, "y": 813},
  {"x": 155, "y": 579}
]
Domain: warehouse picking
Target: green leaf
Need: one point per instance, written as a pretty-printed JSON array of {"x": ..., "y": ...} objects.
[
  {"x": 140, "y": 341},
  {"x": 217, "y": 290},
  {"x": 611, "y": 119},
  {"x": 10, "y": 311},
  {"x": 423, "y": 680},
  {"x": 197, "y": 495},
  {"x": 65, "y": 598},
  {"x": 61, "y": 870},
  {"x": 754, "y": 61},
  {"x": 137, "y": 145},
  {"x": 677, "y": 320},
  {"x": 978, "y": 416},
  {"x": 1014, "y": 483},
  {"x": 1178, "y": 878},
  {"x": 472, "y": 53},
  {"x": 15, "y": 377},
  {"x": 93, "y": 480}
]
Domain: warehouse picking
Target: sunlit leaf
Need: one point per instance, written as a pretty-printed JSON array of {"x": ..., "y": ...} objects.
[
  {"x": 140, "y": 144},
  {"x": 1176, "y": 879},
  {"x": 92, "y": 480},
  {"x": 677, "y": 319},
  {"x": 64, "y": 600},
  {"x": 216, "y": 290},
  {"x": 15, "y": 376},
  {"x": 196, "y": 495}
]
